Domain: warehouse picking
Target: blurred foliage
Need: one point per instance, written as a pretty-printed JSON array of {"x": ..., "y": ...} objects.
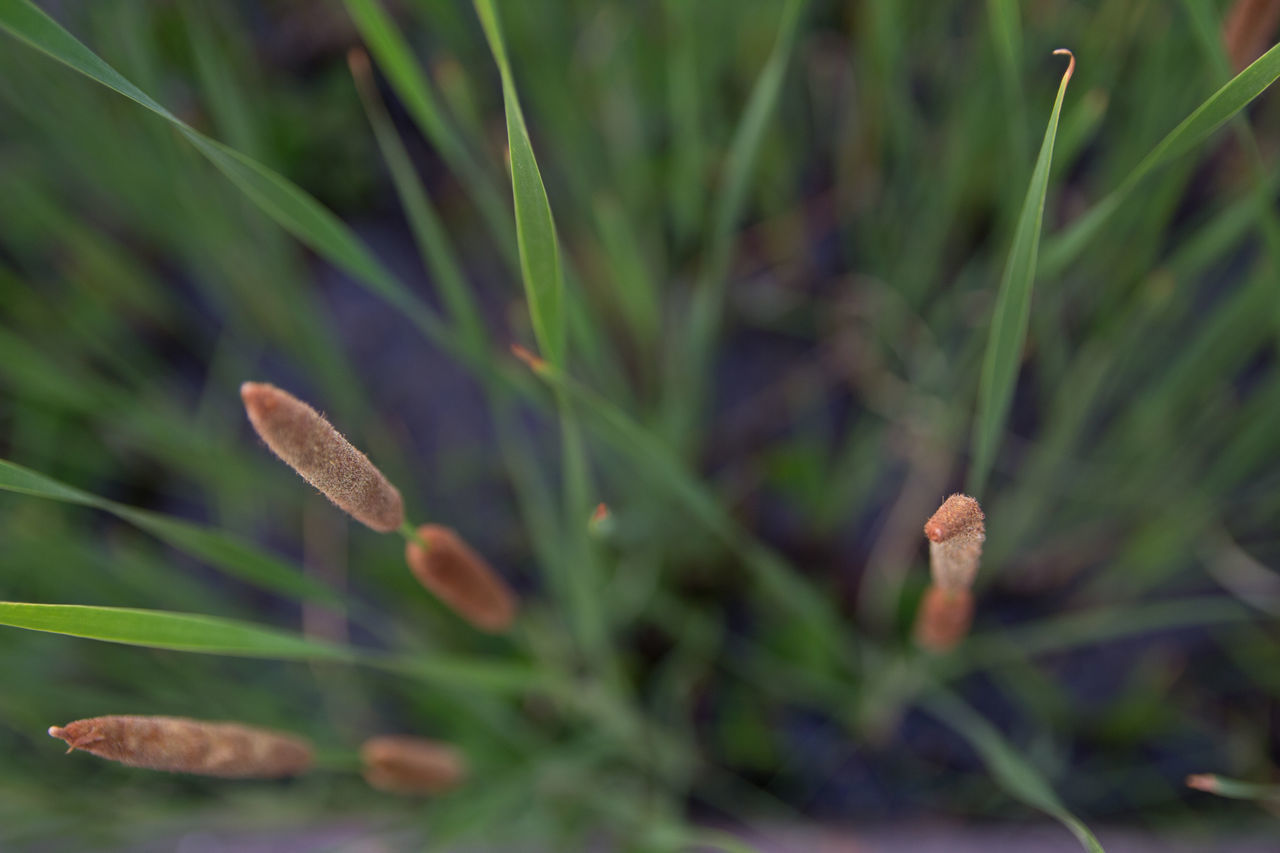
[{"x": 768, "y": 453}]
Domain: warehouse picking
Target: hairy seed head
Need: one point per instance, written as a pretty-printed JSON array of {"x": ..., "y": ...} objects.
[
  {"x": 461, "y": 578},
  {"x": 943, "y": 618},
  {"x": 180, "y": 745},
  {"x": 410, "y": 765},
  {"x": 956, "y": 533},
  {"x": 310, "y": 445}
]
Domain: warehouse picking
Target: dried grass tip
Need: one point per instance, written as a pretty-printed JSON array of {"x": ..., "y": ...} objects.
[
  {"x": 400, "y": 764},
  {"x": 461, "y": 578},
  {"x": 309, "y": 444},
  {"x": 180, "y": 745},
  {"x": 1203, "y": 782},
  {"x": 943, "y": 618},
  {"x": 956, "y": 533}
]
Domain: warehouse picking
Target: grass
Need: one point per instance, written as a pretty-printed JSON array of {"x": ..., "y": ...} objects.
[{"x": 779, "y": 268}]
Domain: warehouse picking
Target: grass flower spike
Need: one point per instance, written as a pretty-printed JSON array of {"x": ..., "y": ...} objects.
[
  {"x": 310, "y": 445},
  {"x": 461, "y": 578},
  {"x": 180, "y": 745},
  {"x": 956, "y": 533},
  {"x": 410, "y": 765}
]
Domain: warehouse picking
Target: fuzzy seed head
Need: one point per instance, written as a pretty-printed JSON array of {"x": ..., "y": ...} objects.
[
  {"x": 180, "y": 745},
  {"x": 309, "y": 444},
  {"x": 943, "y": 618},
  {"x": 461, "y": 578},
  {"x": 956, "y": 533},
  {"x": 409, "y": 765}
]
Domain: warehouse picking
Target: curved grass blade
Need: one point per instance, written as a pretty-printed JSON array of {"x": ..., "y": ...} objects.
[
  {"x": 294, "y": 210},
  {"x": 428, "y": 230},
  {"x": 535, "y": 228},
  {"x": 1194, "y": 129},
  {"x": 1010, "y": 771},
  {"x": 1013, "y": 308},
  {"x": 236, "y": 558},
  {"x": 158, "y": 629},
  {"x": 688, "y": 372},
  {"x": 412, "y": 87}
]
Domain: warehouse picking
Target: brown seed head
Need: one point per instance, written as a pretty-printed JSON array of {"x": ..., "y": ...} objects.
[
  {"x": 180, "y": 745},
  {"x": 461, "y": 578},
  {"x": 409, "y": 765},
  {"x": 310, "y": 445},
  {"x": 943, "y": 618},
  {"x": 956, "y": 533}
]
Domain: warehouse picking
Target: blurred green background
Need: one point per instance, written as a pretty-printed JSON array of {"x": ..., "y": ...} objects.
[{"x": 782, "y": 226}]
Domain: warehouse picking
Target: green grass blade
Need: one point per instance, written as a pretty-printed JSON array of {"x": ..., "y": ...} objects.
[
  {"x": 236, "y": 558},
  {"x": 293, "y": 209},
  {"x": 428, "y": 231},
  {"x": 689, "y": 370},
  {"x": 535, "y": 228},
  {"x": 1012, "y": 310},
  {"x": 1010, "y": 771},
  {"x": 413, "y": 88},
  {"x": 1234, "y": 96},
  {"x": 158, "y": 629}
]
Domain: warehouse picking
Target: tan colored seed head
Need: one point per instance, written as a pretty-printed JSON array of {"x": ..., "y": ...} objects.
[
  {"x": 408, "y": 765},
  {"x": 180, "y": 745},
  {"x": 461, "y": 578},
  {"x": 943, "y": 619},
  {"x": 956, "y": 533},
  {"x": 309, "y": 444}
]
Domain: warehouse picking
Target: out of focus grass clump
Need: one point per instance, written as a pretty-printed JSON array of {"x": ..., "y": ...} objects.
[{"x": 781, "y": 277}]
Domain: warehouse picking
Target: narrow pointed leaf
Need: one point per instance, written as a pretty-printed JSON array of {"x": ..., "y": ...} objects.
[
  {"x": 1012, "y": 310},
  {"x": 235, "y": 557},
  {"x": 1009, "y": 769},
  {"x": 1194, "y": 129}
]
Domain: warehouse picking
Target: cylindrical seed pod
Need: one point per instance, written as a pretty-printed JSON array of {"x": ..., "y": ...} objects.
[
  {"x": 944, "y": 617},
  {"x": 956, "y": 533},
  {"x": 409, "y": 765},
  {"x": 180, "y": 745},
  {"x": 309, "y": 444},
  {"x": 461, "y": 578}
]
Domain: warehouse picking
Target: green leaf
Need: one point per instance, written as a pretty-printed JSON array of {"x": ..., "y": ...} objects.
[
  {"x": 1010, "y": 771},
  {"x": 535, "y": 228},
  {"x": 1012, "y": 310},
  {"x": 158, "y": 629},
  {"x": 428, "y": 231},
  {"x": 293, "y": 209},
  {"x": 1194, "y": 129},
  {"x": 235, "y": 557}
]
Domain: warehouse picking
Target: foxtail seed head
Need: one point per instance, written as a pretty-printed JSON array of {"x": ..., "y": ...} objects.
[
  {"x": 956, "y": 533},
  {"x": 461, "y": 578},
  {"x": 408, "y": 765},
  {"x": 310, "y": 445},
  {"x": 180, "y": 745},
  {"x": 944, "y": 617}
]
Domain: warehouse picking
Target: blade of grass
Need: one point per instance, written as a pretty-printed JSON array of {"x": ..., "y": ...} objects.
[
  {"x": 158, "y": 629},
  {"x": 1010, "y": 771},
  {"x": 688, "y": 370},
  {"x": 545, "y": 293},
  {"x": 1234, "y": 96},
  {"x": 217, "y": 548},
  {"x": 411, "y": 85},
  {"x": 428, "y": 231},
  {"x": 535, "y": 228},
  {"x": 292, "y": 208},
  {"x": 1013, "y": 308}
]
